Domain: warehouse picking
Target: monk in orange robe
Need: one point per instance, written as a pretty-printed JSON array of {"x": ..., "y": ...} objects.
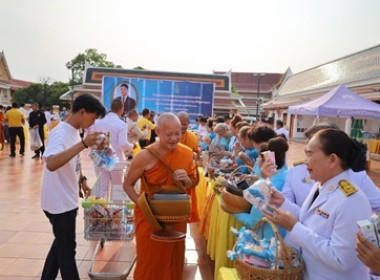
[
  {"x": 190, "y": 140},
  {"x": 160, "y": 260}
]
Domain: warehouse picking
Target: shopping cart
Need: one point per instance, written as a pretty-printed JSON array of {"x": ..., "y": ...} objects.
[{"x": 108, "y": 218}]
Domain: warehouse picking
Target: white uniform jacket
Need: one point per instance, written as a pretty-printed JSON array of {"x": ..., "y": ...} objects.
[
  {"x": 298, "y": 184},
  {"x": 326, "y": 231}
]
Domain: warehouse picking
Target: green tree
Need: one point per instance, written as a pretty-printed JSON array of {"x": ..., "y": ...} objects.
[
  {"x": 55, "y": 91},
  {"x": 33, "y": 93},
  {"x": 43, "y": 93},
  {"x": 234, "y": 90},
  {"x": 45, "y": 83},
  {"x": 92, "y": 57}
]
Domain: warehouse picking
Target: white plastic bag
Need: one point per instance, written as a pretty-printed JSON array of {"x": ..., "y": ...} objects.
[
  {"x": 259, "y": 193},
  {"x": 34, "y": 139}
]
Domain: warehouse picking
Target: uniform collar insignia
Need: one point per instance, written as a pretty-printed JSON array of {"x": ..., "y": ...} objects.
[
  {"x": 346, "y": 187},
  {"x": 306, "y": 180},
  {"x": 298, "y": 162}
]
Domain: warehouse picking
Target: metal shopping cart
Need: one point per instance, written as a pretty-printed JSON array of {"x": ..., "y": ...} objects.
[{"x": 109, "y": 217}]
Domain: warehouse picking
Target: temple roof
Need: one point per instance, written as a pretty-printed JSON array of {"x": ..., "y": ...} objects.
[
  {"x": 359, "y": 71},
  {"x": 358, "y": 67},
  {"x": 247, "y": 82},
  {"x": 14, "y": 84},
  {"x": 4, "y": 65}
]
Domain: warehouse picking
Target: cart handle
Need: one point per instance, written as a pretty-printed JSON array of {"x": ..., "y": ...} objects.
[{"x": 87, "y": 203}]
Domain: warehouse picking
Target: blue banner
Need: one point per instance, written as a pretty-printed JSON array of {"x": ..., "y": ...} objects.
[{"x": 160, "y": 95}]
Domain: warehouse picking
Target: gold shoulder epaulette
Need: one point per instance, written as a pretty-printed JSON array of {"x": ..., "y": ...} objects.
[
  {"x": 347, "y": 188},
  {"x": 298, "y": 162}
]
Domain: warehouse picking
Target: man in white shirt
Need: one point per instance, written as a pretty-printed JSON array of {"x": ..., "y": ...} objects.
[
  {"x": 48, "y": 116},
  {"x": 281, "y": 130},
  {"x": 134, "y": 133},
  {"x": 59, "y": 194},
  {"x": 25, "y": 109},
  {"x": 116, "y": 127},
  {"x": 118, "y": 130}
]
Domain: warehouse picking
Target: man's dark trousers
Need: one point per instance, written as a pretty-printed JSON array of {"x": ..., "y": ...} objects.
[
  {"x": 62, "y": 252},
  {"x": 13, "y": 132}
]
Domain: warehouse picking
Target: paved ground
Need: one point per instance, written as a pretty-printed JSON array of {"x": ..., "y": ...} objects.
[{"x": 25, "y": 233}]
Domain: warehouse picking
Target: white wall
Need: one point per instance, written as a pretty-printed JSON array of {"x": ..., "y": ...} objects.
[
  {"x": 340, "y": 122},
  {"x": 371, "y": 125},
  {"x": 303, "y": 122}
]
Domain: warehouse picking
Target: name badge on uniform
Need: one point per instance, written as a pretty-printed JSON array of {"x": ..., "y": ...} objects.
[{"x": 322, "y": 213}]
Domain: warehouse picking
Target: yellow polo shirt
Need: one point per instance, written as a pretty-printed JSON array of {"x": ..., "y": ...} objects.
[
  {"x": 144, "y": 124},
  {"x": 14, "y": 117}
]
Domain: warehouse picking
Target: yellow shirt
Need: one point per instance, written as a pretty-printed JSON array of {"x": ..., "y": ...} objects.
[
  {"x": 144, "y": 124},
  {"x": 190, "y": 140},
  {"x": 14, "y": 117}
]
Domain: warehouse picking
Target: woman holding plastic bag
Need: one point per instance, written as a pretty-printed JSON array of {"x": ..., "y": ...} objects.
[{"x": 274, "y": 169}]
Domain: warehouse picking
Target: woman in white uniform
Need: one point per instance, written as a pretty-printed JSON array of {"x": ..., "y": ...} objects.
[
  {"x": 298, "y": 182},
  {"x": 325, "y": 226}
]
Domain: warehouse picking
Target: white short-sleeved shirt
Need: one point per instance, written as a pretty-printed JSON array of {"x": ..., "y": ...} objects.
[
  {"x": 282, "y": 130},
  {"x": 48, "y": 116},
  {"x": 118, "y": 133},
  {"x": 59, "y": 192}
]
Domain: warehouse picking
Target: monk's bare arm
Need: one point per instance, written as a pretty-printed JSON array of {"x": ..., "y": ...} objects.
[{"x": 135, "y": 172}]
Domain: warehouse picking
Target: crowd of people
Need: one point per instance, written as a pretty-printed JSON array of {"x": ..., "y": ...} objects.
[
  {"x": 16, "y": 120},
  {"x": 316, "y": 203}
]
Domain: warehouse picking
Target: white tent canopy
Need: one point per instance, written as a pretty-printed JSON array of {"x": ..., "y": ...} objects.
[{"x": 339, "y": 102}]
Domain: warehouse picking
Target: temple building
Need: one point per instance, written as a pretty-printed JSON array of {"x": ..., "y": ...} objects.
[
  {"x": 8, "y": 85},
  {"x": 253, "y": 90},
  {"x": 360, "y": 72}
]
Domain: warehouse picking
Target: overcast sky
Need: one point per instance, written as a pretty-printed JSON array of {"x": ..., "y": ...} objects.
[{"x": 198, "y": 36}]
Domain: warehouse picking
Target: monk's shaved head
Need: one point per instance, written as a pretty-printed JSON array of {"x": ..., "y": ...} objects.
[
  {"x": 184, "y": 118},
  {"x": 168, "y": 130},
  {"x": 166, "y": 118},
  {"x": 184, "y": 115}
]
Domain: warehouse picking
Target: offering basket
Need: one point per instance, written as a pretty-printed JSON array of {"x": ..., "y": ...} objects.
[{"x": 288, "y": 271}]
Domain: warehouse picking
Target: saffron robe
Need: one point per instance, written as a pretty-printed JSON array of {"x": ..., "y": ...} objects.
[
  {"x": 190, "y": 140},
  {"x": 162, "y": 260}
]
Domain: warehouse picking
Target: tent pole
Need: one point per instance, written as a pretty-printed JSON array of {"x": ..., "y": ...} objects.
[{"x": 347, "y": 125}]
